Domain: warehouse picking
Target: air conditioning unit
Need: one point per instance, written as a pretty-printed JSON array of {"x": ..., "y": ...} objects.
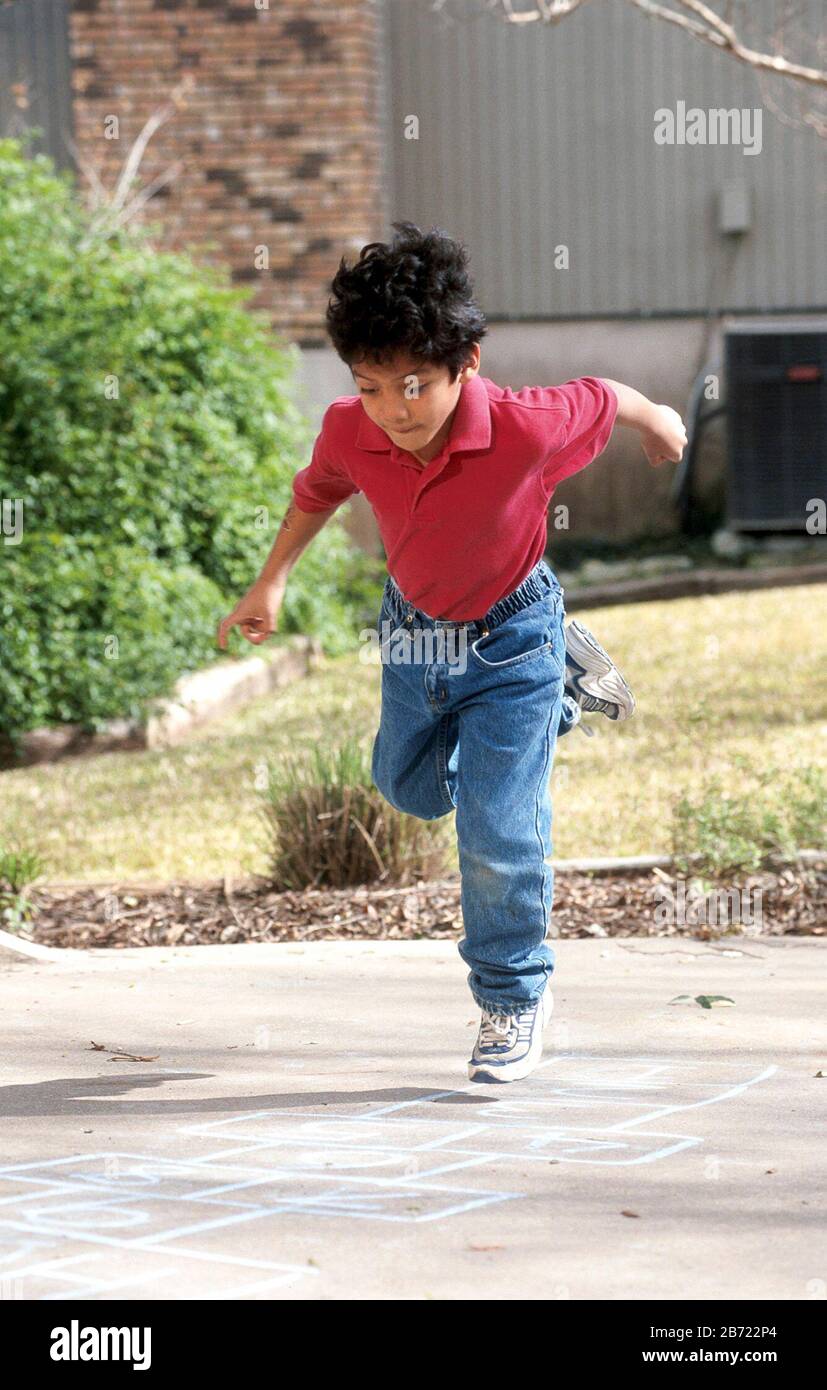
[{"x": 776, "y": 384}]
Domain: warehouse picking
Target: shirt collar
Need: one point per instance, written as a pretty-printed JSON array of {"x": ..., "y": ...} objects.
[{"x": 470, "y": 427}]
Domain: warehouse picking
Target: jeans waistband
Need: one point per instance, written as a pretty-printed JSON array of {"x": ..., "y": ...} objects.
[{"x": 541, "y": 580}]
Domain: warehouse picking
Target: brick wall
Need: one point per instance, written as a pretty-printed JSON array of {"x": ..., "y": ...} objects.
[{"x": 278, "y": 139}]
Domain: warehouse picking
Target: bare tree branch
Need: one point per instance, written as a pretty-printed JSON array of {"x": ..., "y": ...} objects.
[
  {"x": 112, "y": 211},
  {"x": 548, "y": 11},
  {"x": 712, "y": 29},
  {"x": 694, "y": 17},
  {"x": 88, "y": 170},
  {"x": 142, "y": 198}
]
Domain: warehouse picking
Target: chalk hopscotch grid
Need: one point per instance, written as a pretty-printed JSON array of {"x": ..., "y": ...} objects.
[{"x": 373, "y": 1196}]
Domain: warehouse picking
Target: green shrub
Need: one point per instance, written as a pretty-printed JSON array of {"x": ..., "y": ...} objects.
[
  {"x": 737, "y": 821},
  {"x": 330, "y": 826},
  {"x": 142, "y": 409},
  {"x": 92, "y": 632}
]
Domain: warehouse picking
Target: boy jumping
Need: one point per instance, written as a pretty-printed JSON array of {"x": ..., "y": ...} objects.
[{"x": 459, "y": 473}]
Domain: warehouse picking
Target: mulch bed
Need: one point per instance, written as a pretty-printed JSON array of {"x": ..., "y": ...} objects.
[{"x": 793, "y": 901}]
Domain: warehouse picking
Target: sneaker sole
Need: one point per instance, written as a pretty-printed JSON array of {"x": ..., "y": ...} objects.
[
  {"x": 595, "y": 666},
  {"x": 513, "y": 1071}
]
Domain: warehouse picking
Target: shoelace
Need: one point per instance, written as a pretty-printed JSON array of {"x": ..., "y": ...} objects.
[
  {"x": 498, "y": 1028},
  {"x": 591, "y": 702},
  {"x": 588, "y": 703}
]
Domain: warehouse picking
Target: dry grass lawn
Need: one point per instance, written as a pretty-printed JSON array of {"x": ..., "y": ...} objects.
[{"x": 713, "y": 677}]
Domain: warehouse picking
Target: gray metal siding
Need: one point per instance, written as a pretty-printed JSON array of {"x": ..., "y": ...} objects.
[
  {"x": 34, "y": 51},
  {"x": 533, "y": 136}
]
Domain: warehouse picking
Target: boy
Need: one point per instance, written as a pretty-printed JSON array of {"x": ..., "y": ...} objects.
[{"x": 459, "y": 473}]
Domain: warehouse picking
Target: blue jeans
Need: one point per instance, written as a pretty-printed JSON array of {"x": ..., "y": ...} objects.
[{"x": 470, "y": 724}]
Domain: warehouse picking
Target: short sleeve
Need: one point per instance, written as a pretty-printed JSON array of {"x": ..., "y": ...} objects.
[
  {"x": 591, "y": 410},
  {"x": 324, "y": 483}
]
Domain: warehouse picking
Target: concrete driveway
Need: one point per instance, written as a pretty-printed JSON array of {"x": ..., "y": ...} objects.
[{"x": 296, "y": 1122}]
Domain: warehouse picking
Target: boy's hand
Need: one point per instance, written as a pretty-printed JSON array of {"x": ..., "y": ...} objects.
[
  {"x": 665, "y": 439},
  {"x": 257, "y": 614}
]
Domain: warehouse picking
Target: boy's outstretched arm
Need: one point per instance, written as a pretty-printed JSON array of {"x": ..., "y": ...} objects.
[
  {"x": 257, "y": 613},
  {"x": 662, "y": 431}
]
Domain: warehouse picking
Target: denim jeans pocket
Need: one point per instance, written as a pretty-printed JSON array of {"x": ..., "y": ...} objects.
[{"x": 525, "y": 636}]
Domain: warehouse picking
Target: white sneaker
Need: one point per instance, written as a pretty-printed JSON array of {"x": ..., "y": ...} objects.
[
  {"x": 592, "y": 679},
  {"x": 509, "y": 1046}
]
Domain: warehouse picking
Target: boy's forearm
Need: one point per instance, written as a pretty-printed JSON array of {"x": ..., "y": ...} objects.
[
  {"x": 633, "y": 408},
  {"x": 662, "y": 432},
  {"x": 294, "y": 535}
]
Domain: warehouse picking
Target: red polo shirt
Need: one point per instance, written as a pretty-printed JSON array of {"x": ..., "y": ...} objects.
[{"x": 465, "y": 529}]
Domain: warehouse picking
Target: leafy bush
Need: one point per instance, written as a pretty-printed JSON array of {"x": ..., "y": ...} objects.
[
  {"x": 147, "y": 415},
  {"x": 737, "y": 822},
  {"x": 93, "y": 632},
  {"x": 330, "y": 825}
]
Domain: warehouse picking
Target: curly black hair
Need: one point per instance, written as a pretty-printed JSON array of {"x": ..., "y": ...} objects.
[{"x": 412, "y": 295}]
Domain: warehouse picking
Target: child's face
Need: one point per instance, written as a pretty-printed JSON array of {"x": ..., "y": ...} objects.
[{"x": 411, "y": 401}]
